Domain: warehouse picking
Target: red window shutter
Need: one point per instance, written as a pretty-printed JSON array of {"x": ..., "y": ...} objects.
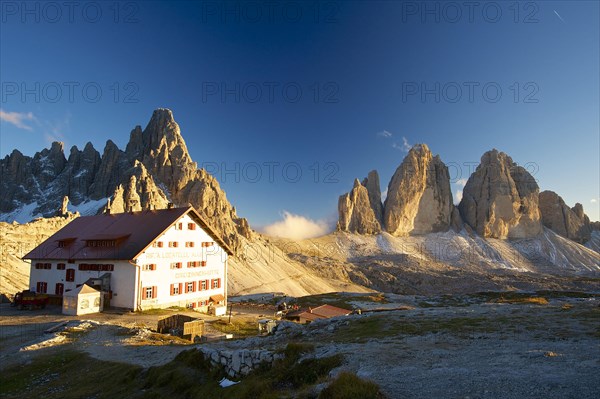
[
  {"x": 144, "y": 294},
  {"x": 154, "y": 289},
  {"x": 172, "y": 289},
  {"x": 203, "y": 263},
  {"x": 180, "y": 288},
  {"x": 194, "y": 286}
]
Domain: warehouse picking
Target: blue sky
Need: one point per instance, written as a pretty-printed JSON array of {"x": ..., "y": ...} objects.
[{"x": 330, "y": 90}]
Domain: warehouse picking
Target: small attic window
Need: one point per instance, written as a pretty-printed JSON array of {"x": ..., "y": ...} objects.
[
  {"x": 100, "y": 243},
  {"x": 65, "y": 242}
]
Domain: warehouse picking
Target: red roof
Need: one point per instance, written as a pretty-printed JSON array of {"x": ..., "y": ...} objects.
[
  {"x": 328, "y": 311},
  {"x": 320, "y": 312},
  {"x": 133, "y": 232}
]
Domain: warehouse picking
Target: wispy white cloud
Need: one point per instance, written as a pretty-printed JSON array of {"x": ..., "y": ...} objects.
[
  {"x": 405, "y": 146},
  {"x": 384, "y": 134},
  {"x": 18, "y": 119},
  {"x": 56, "y": 130},
  {"x": 559, "y": 17},
  {"x": 461, "y": 182},
  {"x": 458, "y": 196},
  {"x": 593, "y": 200},
  {"x": 297, "y": 227},
  {"x": 384, "y": 195}
]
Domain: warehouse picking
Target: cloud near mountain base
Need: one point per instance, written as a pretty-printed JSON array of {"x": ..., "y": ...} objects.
[{"x": 296, "y": 227}]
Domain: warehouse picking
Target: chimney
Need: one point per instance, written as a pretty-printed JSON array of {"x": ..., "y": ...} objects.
[{"x": 170, "y": 205}]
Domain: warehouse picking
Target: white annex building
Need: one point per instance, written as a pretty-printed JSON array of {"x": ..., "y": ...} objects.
[{"x": 138, "y": 260}]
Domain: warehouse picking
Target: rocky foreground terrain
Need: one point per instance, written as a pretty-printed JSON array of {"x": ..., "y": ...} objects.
[{"x": 487, "y": 345}]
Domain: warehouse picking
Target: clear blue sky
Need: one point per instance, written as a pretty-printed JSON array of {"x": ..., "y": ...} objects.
[{"x": 363, "y": 69}]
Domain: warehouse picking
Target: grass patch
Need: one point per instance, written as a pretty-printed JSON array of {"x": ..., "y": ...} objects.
[
  {"x": 338, "y": 300},
  {"x": 162, "y": 311},
  {"x": 70, "y": 374},
  {"x": 377, "y": 327},
  {"x": 157, "y": 339},
  {"x": 535, "y": 300},
  {"x": 349, "y": 386},
  {"x": 238, "y": 327}
]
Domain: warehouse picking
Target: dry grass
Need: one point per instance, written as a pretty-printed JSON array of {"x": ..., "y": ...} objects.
[
  {"x": 156, "y": 339},
  {"x": 239, "y": 327},
  {"x": 535, "y": 300}
]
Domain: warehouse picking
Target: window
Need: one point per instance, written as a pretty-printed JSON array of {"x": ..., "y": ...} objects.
[
  {"x": 96, "y": 267},
  {"x": 149, "y": 267},
  {"x": 202, "y": 263},
  {"x": 176, "y": 288},
  {"x": 191, "y": 264},
  {"x": 203, "y": 285},
  {"x": 59, "y": 289},
  {"x": 191, "y": 226},
  {"x": 70, "y": 275},
  {"x": 173, "y": 244},
  {"x": 149, "y": 292},
  {"x": 43, "y": 266},
  {"x": 100, "y": 243},
  {"x": 178, "y": 226},
  {"x": 216, "y": 283},
  {"x": 60, "y": 266},
  {"x": 208, "y": 244},
  {"x": 42, "y": 287},
  {"x": 189, "y": 244},
  {"x": 176, "y": 265},
  {"x": 190, "y": 286},
  {"x": 97, "y": 302},
  {"x": 157, "y": 244}
]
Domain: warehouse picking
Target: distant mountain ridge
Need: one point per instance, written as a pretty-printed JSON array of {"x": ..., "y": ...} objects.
[
  {"x": 154, "y": 170},
  {"x": 500, "y": 200}
]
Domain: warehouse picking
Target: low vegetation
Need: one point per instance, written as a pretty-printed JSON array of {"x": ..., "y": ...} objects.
[
  {"x": 239, "y": 327},
  {"x": 349, "y": 386},
  {"x": 344, "y": 301},
  {"x": 67, "y": 373}
]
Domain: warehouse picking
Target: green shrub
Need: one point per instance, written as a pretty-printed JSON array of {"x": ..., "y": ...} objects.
[{"x": 349, "y": 386}]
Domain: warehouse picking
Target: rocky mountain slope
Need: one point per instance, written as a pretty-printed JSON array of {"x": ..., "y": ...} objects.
[
  {"x": 503, "y": 235},
  {"x": 571, "y": 223},
  {"x": 154, "y": 170}
]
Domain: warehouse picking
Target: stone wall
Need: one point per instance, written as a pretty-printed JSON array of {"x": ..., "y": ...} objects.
[{"x": 240, "y": 362}]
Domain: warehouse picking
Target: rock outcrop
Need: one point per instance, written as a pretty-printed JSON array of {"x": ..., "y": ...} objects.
[
  {"x": 356, "y": 213},
  {"x": 371, "y": 182},
  {"x": 500, "y": 199},
  {"x": 419, "y": 199},
  {"x": 154, "y": 170},
  {"x": 571, "y": 223}
]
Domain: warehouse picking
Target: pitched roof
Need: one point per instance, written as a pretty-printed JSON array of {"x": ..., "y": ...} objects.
[
  {"x": 84, "y": 289},
  {"x": 133, "y": 232},
  {"x": 320, "y": 312},
  {"x": 328, "y": 311}
]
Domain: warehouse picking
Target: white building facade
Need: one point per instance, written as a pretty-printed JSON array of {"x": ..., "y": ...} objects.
[{"x": 137, "y": 265}]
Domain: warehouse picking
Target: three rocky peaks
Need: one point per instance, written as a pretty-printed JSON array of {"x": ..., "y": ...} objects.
[
  {"x": 154, "y": 170},
  {"x": 500, "y": 200}
]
